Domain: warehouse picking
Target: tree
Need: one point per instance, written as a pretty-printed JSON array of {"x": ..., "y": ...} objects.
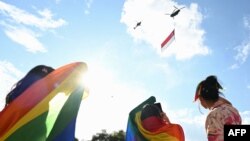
[{"x": 104, "y": 136}]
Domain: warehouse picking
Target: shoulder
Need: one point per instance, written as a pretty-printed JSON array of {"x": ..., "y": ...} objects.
[
  {"x": 214, "y": 117},
  {"x": 224, "y": 114},
  {"x": 231, "y": 115}
]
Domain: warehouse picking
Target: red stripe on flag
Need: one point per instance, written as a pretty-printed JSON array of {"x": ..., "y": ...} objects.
[{"x": 170, "y": 36}]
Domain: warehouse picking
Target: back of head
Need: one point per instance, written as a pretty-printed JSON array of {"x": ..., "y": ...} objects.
[
  {"x": 32, "y": 76},
  {"x": 150, "y": 110},
  {"x": 209, "y": 88},
  {"x": 40, "y": 71}
]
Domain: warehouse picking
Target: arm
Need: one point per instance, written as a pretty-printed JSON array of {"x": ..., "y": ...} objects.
[{"x": 165, "y": 117}]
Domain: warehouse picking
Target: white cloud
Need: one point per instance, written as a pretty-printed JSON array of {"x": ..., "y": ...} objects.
[
  {"x": 245, "y": 115},
  {"x": 242, "y": 50},
  {"x": 22, "y": 23},
  {"x": 192, "y": 123},
  {"x": 156, "y": 25},
  {"x": 246, "y": 21},
  {"x": 234, "y": 66},
  {"x": 88, "y": 6},
  {"x": 9, "y": 76},
  {"x": 242, "y": 54},
  {"x": 186, "y": 116},
  {"x": 25, "y": 37},
  {"x": 20, "y": 16}
]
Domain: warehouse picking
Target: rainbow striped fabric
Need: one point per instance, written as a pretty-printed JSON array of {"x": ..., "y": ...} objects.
[
  {"x": 47, "y": 110},
  {"x": 136, "y": 132}
]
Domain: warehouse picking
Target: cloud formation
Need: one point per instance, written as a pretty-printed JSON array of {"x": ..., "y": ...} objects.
[
  {"x": 156, "y": 26},
  {"x": 9, "y": 75},
  {"x": 245, "y": 115},
  {"x": 19, "y": 25},
  {"x": 246, "y": 21},
  {"x": 243, "y": 50},
  {"x": 26, "y": 38},
  {"x": 88, "y": 4}
]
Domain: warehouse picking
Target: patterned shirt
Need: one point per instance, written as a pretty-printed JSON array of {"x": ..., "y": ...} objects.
[{"x": 222, "y": 112}]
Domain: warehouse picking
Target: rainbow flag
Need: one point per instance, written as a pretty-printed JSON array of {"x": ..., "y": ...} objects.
[
  {"x": 47, "y": 110},
  {"x": 136, "y": 132}
]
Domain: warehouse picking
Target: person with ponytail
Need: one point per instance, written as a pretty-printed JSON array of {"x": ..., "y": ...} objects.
[{"x": 222, "y": 112}]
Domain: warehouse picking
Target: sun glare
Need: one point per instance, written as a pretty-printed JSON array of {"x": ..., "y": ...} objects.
[
  {"x": 96, "y": 78},
  {"x": 110, "y": 100},
  {"x": 55, "y": 105}
]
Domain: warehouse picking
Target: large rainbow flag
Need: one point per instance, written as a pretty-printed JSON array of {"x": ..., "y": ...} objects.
[
  {"x": 136, "y": 132},
  {"x": 47, "y": 110}
]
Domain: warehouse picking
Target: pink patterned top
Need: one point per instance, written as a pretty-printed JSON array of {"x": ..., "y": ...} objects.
[{"x": 222, "y": 112}]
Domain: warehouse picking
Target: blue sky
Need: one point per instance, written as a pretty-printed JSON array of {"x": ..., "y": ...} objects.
[{"x": 126, "y": 66}]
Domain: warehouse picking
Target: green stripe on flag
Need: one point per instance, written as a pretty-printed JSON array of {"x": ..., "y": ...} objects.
[
  {"x": 67, "y": 114},
  {"x": 34, "y": 130}
]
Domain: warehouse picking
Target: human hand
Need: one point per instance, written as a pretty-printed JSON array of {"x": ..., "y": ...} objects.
[{"x": 165, "y": 117}]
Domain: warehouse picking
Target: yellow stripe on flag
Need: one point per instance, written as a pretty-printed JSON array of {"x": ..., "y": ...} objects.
[{"x": 67, "y": 87}]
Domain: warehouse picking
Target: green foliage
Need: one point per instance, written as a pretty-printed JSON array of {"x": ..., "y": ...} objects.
[{"x": 104, "y": 136}]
